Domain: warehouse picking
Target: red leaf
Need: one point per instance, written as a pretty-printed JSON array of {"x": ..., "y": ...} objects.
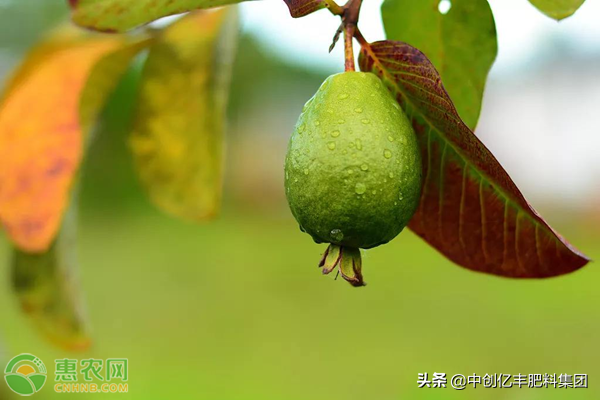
[
  {"x": 471, "y": 210},
  {"x": 300, "y": 8}
]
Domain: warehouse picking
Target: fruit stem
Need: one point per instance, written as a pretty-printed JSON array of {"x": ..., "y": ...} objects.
[
  {"x": 350, "y": 13},
  {"x": 348, "y": 50}
]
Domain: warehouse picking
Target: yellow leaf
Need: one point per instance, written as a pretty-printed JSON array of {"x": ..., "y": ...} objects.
[
  {"x": 177, "y": 140},
  {"x": 45, "y": 115}
]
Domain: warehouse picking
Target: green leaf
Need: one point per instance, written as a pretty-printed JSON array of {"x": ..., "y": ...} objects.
[
  {"x": 47, "y": 290},
  {"x": 122, "y": 15},
  {"x": 557, "y": 9},
  {"x": 461, "y": 44},
  {"x": 177, "y": 140},
  {"x": 470, "y": 210}
]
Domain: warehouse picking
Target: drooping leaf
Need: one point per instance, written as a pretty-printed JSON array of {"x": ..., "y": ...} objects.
[
  {"x": 47, "y": 289},
  {"x": 122, "y": 15},
  {"x": 557, "y": 9},
  {"x": 45, "y": 116},
  {"x": 461, "y": 44},
  {"x": 301, "y": 8},
  {"x": 177, "y": 140},
  {"x": 471, "y": 210}
]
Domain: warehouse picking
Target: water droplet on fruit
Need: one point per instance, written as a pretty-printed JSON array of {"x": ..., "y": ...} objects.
[
  {"x": 400, "y": 196},
  {"x": 391, "y": 175},
  {"x": 301, "y": 128},
  {"x": 374, "y": 192},
  {"x": 335, "y": 134},
  {"x": 365, "y": 121},
  {"x": 402, "y": 140},
  {"x": 343, "y": 96},
  {"x": 331, "y": 145},
  {"x": 317, "y": 123},
  {"x": 336, "y": 235},
  {"x": 364, "y": 167},
  {"x": 358, "y": 110},
  {"x": 360, "y": 188},
  {"x": 307, "y": 104},
  {"x": 387, "y": 153},
  {"x": 341, "y": 121},
  {"x": 306, "y": 171},
  {"x": 391, "y": 138},
  {"x": 358, "y": 144}
]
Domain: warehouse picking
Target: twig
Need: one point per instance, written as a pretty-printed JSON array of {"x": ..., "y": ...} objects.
[{"x": 334, "y": 7}]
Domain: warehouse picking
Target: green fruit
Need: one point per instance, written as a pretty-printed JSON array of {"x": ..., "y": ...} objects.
[{"x": 353, "y": 167}]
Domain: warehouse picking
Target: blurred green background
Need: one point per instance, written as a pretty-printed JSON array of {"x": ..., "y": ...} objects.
[{"x": 236, "y": 309}]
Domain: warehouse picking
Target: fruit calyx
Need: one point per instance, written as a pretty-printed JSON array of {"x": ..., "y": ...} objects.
[{"x": 347, "y": 260}]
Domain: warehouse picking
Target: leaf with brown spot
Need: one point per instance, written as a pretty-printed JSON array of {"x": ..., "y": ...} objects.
[
  {"x": 47, "y": 290},
  {"x": 301, "y": 8},
  {"x": 45, "y": 116},
  {"x": 471, "y": 210},
  {"x": 177, "y": 140},
  {"x": 558, "y": 9},
  {"x": 122, "y": 15}
]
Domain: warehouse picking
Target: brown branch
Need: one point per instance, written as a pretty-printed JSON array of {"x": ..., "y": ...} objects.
[{"x": 352, "y": 12}]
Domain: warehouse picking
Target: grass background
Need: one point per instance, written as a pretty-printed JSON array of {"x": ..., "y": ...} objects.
[{"x": 237, "y": 309}]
